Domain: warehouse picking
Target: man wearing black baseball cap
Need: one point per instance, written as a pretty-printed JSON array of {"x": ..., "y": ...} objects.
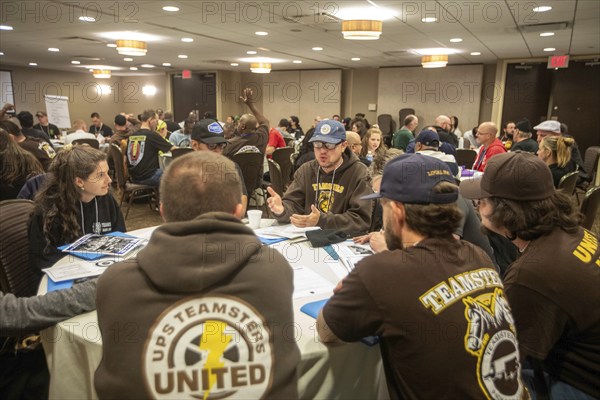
[
  {"x": 43, "y": 125},
  {"x": 553, "y": 286},
  {"x": 208, "y": 135},
  {"x": 428, "y": 285}
]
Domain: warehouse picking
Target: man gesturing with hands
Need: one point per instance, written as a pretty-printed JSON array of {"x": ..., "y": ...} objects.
[{"x": 326, "y": 191}]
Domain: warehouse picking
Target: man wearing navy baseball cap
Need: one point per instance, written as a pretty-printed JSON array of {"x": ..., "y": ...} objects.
[
  {"x": 428, "y": 285},
  {"x": 326, "y": 191}
]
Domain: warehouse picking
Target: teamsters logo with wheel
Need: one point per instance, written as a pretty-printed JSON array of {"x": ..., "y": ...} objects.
[{"x": 214, "y": 347}]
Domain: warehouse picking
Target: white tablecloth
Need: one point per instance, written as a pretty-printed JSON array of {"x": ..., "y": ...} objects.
[{"x": 353, "y": 371}]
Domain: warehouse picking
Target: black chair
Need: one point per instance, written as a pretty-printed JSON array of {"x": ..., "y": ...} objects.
[
  {"x": 590, "y": 164},
  {"x": 251, "y": 165},
  {"x": 276, "y": 177},
  {"x": 130, "y": 190},
  {"x": 590, "y": 207},
  {"x": 385, "y": 125},
  {"x": 181, "y": 151},
  {"x": 465, "y": 157},
  {"x": 403, "y": 113},
  {"x": 289, "y": 142},
  {"x": 16, "y": 276},
  {"x": 283, "y": 157},
  {"x": 567, "y": 183},
  {"x": 90, "y": 142}
]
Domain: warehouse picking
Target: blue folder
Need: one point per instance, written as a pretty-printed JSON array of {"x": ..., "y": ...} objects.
[{"x": 314, "y": 308}]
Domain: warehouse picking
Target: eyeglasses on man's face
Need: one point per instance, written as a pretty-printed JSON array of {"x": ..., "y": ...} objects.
[
  {"x": 212, "y": 146},
  {"x": 328, "y": 146}
]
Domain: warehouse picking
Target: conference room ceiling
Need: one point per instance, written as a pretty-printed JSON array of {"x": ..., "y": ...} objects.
[{"x": 223, "y": 31}]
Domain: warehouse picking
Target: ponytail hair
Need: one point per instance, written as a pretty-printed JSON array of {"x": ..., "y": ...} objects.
[{"x": 560, "y": 147}]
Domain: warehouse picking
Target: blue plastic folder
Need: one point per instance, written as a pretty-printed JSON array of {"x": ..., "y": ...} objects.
[
  {"x": 94, "y": 256},
  {"x": 267, "y": 242},
  {"x": 314, "y": 308},
  {"x": 53, "y": 286}
]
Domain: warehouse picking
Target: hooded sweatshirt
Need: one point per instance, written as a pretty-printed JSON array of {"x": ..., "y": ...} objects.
[
  {"x": 485, "y": 153},
  {"x": 204, "y": 309},
  {"x": 336, "y": 194}
]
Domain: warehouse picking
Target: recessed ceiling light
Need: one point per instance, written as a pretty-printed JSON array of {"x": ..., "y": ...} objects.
[
  {"x": 170, "y": 8},
  {"x": 75, "y": 62},
  {"x": 549, "y": 49},
  {"x": 6, "y": 28},
  {"x": 133, "y": 68},
  {"x": 475, "y": 53},
  {"x": 147, "y": 66},
  {"x": 87, "y": 19},
  {"x": 297, "y": 61},
  {"x": 355, "y": 59},
  {"x": 166, "y": 64},
  {"x": 33, "y": 64},
  {"x": 261, "y": 33},
  {"x": 317, "y": 48},
  {"x": 251, "y": 52},
  {"x": 234, "y": 64},
  {"x": 456, "y": 40},
  {"x": 542, "y": 9},
  {"x": 111, "y": 45},
  {"x": 54, "y": 49},
  {"x": 429, "y": 19},
  {"x": 187, "y": 39},
  {"x": 182, "y": 56},
  {"x": 544, "y": 34},
  {"x": 1, "y": 53},
  {"x": 128, "y": 59}
]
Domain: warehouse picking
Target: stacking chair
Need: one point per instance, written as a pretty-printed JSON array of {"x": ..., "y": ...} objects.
[
  {"x": 16, "y": 276},
  {"x": 385, "y": 125},
  {"x": 130, "y": 190},
  {"x": 251, "y": 165},
  {"x": 590, "y": 207},
  {"x": 567, "y": 183},
  {"x": 466, "y": 157},
  {"x": 181, "y": 151},
  {"x": 283, "y": 157},
  {"x": 276, "y": 177},
  {"x": 403, "y": 113},
  {"x": 590, "y": 164},
  {"x": 91, "y": 142}
]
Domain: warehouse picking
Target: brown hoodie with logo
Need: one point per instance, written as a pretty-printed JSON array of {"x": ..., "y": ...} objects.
[{"x": 204, "y": 311}]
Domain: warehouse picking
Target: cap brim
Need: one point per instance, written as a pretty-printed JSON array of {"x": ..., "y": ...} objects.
[
  {"x": 471, "y": 189},
  {"x": 372, "y": 196},
  {"x": 213, "y": 140},
  {"x": 325, "y": 139}
]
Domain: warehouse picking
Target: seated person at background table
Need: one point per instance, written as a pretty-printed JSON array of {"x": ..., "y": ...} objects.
[
  {"x": 522, "y": 138},
  {"x": 181, "y": 137},
  {"x": 555, "y": 128},
  {"x": 427, "y": 284},
  {"x": 275, "y": 142},
  {"x": 17, "y": 165},
  {"x": 38, "y": 147},
  {"x": 555, "y": 151},
  {"x": 208, "y": 135},
  {"x": 428, "y": 142},
  {"x": 98, "y": 128},
  {"x": 121, "y": 133},
  {"x": 355, "y": 145},
  {"x": 252, "y": 131},
  {"x": 490, "y": 145},
  {"x": 79, "y": 129},
  {"x": 404, "y": 135},
  {"x": 553, "y": 286},
  {"x": 326, "y": 191},
  {"x": 74, "y": 201},
  {"x": 26, "y": 120},
  {"x": 24, "y": 374},
  {"x": 205, "y": 288},
  {"x": 43, "y": 125},
  {"x": 142, "y": 151}
]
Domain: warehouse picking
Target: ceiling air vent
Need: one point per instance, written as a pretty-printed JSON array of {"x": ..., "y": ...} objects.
[{"x": 552, "y": 27}]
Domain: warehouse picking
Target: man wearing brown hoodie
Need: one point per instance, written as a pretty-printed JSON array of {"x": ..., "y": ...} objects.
[{"x": 202, "y": 311}]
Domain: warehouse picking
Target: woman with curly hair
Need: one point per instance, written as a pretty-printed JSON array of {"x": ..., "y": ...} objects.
[
  {"x": 372, "y": 144},
  {"x": 18, "y": 165},
  {"x": 74, "y": 201},
  {"x": 555, "y": 151}
]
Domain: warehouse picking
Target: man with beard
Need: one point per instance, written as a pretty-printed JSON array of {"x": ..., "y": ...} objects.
[
  {"x": 428, "y": 285},
  {"x": 326, "y": 191}
]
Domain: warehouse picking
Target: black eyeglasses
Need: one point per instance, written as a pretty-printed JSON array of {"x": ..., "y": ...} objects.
[
  {"x": 328, "y": 146},
  {"x": 212, "y": 146}
]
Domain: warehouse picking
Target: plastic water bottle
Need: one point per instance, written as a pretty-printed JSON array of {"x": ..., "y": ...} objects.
[{"x": 461, "y": 143}]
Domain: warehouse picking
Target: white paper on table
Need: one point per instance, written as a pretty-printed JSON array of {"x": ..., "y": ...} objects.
[
  {"x": 288, "y": 231},
  {"x": 308, "y": 283},
  {"x": 73, "y": 271},
  {"x": 351, "y": 253}
]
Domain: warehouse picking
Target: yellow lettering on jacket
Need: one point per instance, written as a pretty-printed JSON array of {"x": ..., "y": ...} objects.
[{"x": 586, "y": 248}]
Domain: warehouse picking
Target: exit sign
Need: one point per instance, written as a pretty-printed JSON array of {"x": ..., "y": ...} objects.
[
  {"x": 186, "y": 74},
  {"x": 558, "y": 62}
]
